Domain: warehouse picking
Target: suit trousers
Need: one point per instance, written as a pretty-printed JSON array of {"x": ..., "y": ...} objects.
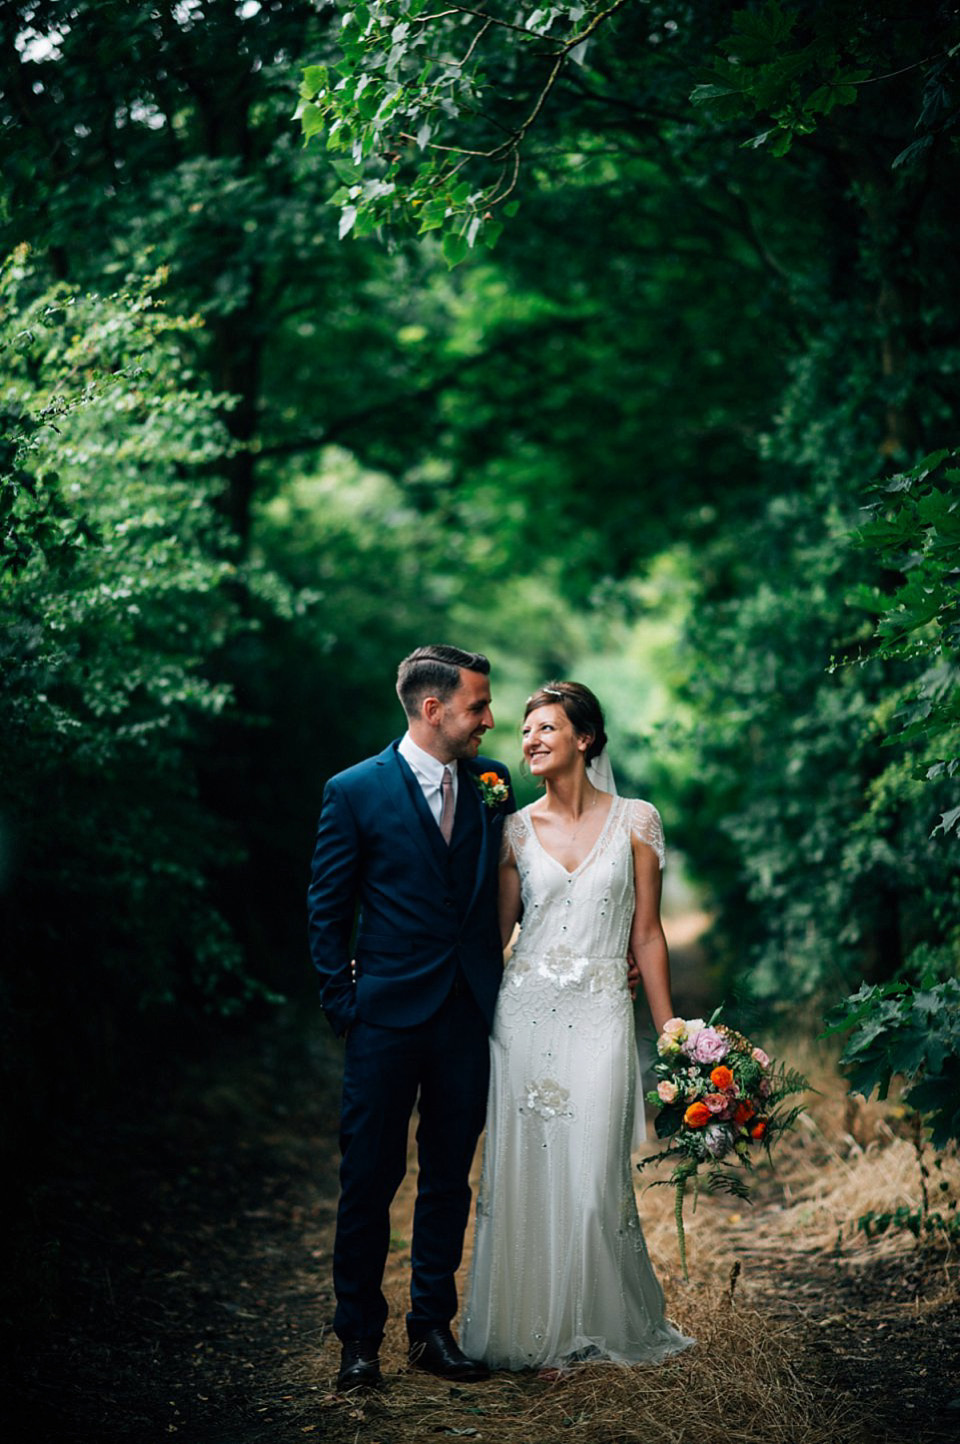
[{"x": 446, "y": 1060}]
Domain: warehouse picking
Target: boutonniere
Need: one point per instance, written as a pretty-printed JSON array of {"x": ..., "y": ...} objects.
[{"x": 492, "y": 788}]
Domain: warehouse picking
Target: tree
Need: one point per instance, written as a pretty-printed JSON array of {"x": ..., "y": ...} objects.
[
  {"x": 840, "y": 258},
  {"x": 113, "y": 589}
]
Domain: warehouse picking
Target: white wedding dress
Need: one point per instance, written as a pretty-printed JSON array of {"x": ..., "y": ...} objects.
[{"x": 560, "y": 1268}]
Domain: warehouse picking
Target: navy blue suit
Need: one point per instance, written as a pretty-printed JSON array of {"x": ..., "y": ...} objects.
[{"x": 415, "y": 995}]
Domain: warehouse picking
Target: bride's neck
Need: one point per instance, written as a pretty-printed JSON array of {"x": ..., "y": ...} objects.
[{"x": 570, "y": 795}]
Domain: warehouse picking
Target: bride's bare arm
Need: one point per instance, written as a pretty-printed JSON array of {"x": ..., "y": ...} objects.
[
  {"x": 509, "y": 897},
  {"x": 647, "y": 942}
]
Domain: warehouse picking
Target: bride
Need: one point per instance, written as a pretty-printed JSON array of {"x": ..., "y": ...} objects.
[{"x": 560, "y": 1268}]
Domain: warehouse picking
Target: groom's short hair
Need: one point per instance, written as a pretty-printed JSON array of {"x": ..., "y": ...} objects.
[{"x": 434, "y": 672}]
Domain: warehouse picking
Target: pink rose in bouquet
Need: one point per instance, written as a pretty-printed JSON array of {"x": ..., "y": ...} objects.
[{"x": 709, "y": 1046}]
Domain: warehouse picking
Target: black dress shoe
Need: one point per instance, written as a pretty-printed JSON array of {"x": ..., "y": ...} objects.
[
  {"x": 436, "y": 1351},
  {"x": 359, "y": 1365}
]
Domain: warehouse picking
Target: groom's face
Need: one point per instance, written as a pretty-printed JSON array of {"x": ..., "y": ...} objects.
[{"x": 465, "y": 716}]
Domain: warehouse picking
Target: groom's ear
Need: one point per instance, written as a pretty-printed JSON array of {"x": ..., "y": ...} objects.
[{"x": 431, "y": 710}]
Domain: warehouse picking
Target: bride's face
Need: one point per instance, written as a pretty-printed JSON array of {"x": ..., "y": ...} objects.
[{"x": 550, "y": 744}]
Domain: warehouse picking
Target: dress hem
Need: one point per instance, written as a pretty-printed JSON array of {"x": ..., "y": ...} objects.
[{"x": 584, "y": 1352}]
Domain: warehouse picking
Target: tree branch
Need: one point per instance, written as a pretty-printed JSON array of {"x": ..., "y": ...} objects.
[
  {"x": 560, "y": 57},
  {"x": 341, "y": 426}
]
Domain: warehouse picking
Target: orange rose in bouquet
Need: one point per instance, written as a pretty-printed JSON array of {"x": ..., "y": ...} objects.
[{"x": 698, "y": 1115}]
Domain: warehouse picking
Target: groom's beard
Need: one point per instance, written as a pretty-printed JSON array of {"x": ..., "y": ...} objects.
[{"x": 463, "y": 749}]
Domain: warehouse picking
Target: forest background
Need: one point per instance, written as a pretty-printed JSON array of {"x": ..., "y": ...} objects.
[{"x": 661, "y": 396}]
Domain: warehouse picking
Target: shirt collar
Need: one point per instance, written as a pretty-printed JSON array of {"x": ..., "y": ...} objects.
[{"x": 423, "y": 763}]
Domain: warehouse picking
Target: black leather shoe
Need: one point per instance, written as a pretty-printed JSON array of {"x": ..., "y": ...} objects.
[
  {"x": 359, "y": 1365},
  {"x": 436, "y": 1351}
]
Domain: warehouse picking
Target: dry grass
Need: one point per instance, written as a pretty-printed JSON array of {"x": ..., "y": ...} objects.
[
  {"x": 882, "y": 1177},
  {"x": 752, "y": 1377},
  {"x": 742, "y": 1379}
]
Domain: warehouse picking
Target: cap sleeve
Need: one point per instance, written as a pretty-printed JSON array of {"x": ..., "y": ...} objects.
[
  {"x": 512, "y": 836},
  {"x": 645, "y": 825}
]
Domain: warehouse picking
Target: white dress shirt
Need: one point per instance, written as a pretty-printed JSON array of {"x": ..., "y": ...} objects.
[{"x": 429, "y": 773}]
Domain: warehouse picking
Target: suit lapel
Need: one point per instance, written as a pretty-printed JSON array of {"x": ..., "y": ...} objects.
[
  {"x": 405, "y": 793},
  {"x": 467, "y": 782}
]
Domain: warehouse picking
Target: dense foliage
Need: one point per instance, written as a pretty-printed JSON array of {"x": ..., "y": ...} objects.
[
  {"x": 119, "y": 586},
  {"x": 912, "y": 1031},
  {"x": 686, "y": 430},
  {"x": 816, "y": 843}
]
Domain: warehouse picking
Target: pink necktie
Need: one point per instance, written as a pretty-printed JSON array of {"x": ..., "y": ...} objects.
[{"x": 446, "y": 816}]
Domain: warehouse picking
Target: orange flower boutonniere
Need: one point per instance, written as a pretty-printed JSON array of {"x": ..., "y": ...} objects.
[{"x": 492, "y": 788}]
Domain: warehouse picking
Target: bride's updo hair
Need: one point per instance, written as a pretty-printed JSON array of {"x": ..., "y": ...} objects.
[{"x": 581, "y": 707}]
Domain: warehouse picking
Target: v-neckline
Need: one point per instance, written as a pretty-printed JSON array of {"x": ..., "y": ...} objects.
[{"x": 584, "y": 860}]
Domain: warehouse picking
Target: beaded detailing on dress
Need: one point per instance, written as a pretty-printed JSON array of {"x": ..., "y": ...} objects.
[
  {"x": 560, "y": 1264},
  {"x": 646, "y": 825}
]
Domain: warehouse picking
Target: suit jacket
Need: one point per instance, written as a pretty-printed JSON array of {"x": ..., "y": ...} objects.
[{"x": 428, "y": 911}]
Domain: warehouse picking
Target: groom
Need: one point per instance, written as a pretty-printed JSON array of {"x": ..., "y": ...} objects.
[{"x": 412, "y": 836}]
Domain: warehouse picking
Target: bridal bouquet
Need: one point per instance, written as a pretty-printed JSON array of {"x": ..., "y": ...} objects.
[{"x": 721, "y": 1098}]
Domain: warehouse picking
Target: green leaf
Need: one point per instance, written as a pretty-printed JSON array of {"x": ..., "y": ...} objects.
[
  {"x": 366, "y": 223},
  {"x": 912, "y": 153},
  {"x": 346, "y": 171},
  {"x": 948, "y": 821},
  {"x": 929, "y": 463},
  {"x": 756, "y": 141},
  {"x": 368, "y": 103},
  {"x": 939, "y": 1098},
  {"x": 432, "y": 217},
  {"x": 823, "y": 98},
  {"x": 315, "y": 77},
  {"x": 869, "y": 1075},
  {"x": 455, "y": 247},
  {"x": 312, "y": 121},
  {"x": 759, "y": 34},
  {"x": 940, "y": 510},
  {"x": 491, "y": 233},
  {"x": 667, "y": 1122},
  {"x": 888, "y": 532},
  {"x": 860, "y": 1005},
  {"x": 704, "y": 94}
]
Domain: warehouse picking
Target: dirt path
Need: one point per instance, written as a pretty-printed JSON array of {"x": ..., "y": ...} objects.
[{"x": 192, "y": 1298}]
